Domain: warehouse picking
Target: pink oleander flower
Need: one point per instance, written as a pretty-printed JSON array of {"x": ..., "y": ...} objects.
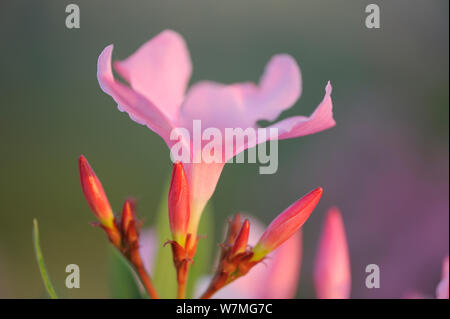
[
  {"x": 275, "y": 278},
  {"x": 287, "y": 223},
  {"x": 332, "y": 275},
  {"x": 158, "y": 74},
  {"x": 442, "y": 288}
]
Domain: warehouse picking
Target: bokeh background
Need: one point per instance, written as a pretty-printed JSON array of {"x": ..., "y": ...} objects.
[{"x": 385, "y": 164}]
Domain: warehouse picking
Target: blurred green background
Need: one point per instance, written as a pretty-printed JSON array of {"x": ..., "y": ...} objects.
[{"x": 385, "y": 164}]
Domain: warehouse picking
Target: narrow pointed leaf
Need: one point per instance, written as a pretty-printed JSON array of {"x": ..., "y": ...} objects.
[
  {"x": 164, "y": 278},
  {"x": 40, "y": 260}
]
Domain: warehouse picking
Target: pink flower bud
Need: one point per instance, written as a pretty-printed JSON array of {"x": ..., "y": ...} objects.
[
  {"x": 332, "y": 275},
  {"x": 287, "y": 224}
]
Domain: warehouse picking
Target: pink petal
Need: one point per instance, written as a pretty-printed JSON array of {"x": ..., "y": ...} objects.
[
  {"x": 279, "y": 88},
  {"x": 160, "y": 70},
  {"x": 332, "y": 268},
  {"x": 243, "y": 104},
  {"x": 321, "y": 119},
  {"x": 202, "y": 179},
  {"x": 216, "y": 105},
  {"x": 442, "y": 288},
  {"x": 136, "y": 105}
]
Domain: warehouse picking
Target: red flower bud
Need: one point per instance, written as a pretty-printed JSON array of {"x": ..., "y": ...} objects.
[
  {"x": 94, "y": 194},
  {"x": 286, "y": 224},
  {"x": 179, "y": 210}
]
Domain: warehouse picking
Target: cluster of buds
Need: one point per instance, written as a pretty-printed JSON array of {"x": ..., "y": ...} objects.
[
  {"x": 183, "y": 244},
  {"x": 123, "y": 233},
  {"x": 237, "y": 258}
]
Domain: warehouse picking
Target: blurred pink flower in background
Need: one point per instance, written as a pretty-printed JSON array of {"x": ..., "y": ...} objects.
[
  {"x": 442, "y": 288},
  {"x": 276, "y": 277},
  {"x": 148, "y": 248},
  {"x": 158, "y": 74},
  {"x": 398, "y": 213},
  {"x": 332, "y": 274}
]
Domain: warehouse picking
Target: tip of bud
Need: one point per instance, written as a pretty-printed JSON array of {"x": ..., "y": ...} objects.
[
  {"x": 83, "y": 164},
  {"x": 233, "y": 228},
  {"x": 318, "y": 190},
  {"x": 240, "y": 245},
  {"x": 128, "y": 214}
]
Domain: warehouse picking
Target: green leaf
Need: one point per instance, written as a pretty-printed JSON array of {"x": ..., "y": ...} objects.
[
  {"x": 40, "y": 260},
  {"x": 122, "y": 278},
  {"x": 165, "y": 275}
]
